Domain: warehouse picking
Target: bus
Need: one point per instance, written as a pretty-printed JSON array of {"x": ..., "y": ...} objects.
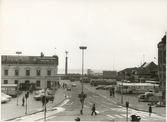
[
  {"x": 138, "y": 88},
  {"x": 9, "y": 89}
]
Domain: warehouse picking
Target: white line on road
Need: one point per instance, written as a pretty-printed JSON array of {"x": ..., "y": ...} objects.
[
  {"x": 95, "y": 96},
  {"x": 111, "y": 117},
  {"x": 118, "y": 116},
  {"x": 64, "y": 102},
  {"x": 48, "y": 118},
  {"x": 70, "y": 103},
  {"x": 97, "y": 112},
  {"x": 90, "y": 103},
  {"x": 86, "y": 106},
  {"x": 108, "y": 103}
]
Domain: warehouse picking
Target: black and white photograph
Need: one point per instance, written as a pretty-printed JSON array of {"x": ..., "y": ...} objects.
[{"x": 83, "y": 60}]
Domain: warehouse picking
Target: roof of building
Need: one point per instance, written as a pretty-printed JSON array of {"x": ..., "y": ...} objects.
[
  {"x": 142, "y": 71},
  {"x": 163, "y": 40},
  {"x": 149, "y": 65},
  {"x": 10, "y": 59}
]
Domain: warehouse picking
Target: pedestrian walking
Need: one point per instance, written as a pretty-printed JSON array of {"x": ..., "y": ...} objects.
[
  {"x": 23, "y": 100},
  {"x": 111, "y": 92},
  {"x": 63, "y": 85},
  {"x": 150, "y": 110},
  {"x": 94, "y": 110}
]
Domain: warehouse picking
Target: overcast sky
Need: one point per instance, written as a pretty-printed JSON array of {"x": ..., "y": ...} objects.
[{"x": 118, "y": 33}]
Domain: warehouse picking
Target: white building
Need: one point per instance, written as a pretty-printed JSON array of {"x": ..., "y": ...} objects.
[{"x": 41, "y": 70}]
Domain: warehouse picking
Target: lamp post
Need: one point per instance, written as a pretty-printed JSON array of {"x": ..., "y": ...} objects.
[
  {"x": 82, "y": 48},
  {"x": 54, "y": 76},
  {"x": 122, "y": 87},
  {"x": 18, "y": 77}
]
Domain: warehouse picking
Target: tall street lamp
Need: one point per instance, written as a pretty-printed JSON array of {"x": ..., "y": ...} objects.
[
  {"x": 122, "y": 86},
  {"x": 82, "y": 93},
  {"x": 18, "y": 77},
  {"x": 54, "y": 82}
]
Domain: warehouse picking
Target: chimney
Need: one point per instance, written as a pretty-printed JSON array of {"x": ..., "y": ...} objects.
[{"x": 42, "y": 55}]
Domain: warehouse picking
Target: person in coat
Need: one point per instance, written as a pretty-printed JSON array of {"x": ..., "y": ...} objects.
[
  {"x": 94, "y": 110},
  {"x": 111, "y": 92},
  {"x": 23, "y": 100},
  {"x": 150, "y": 110}
]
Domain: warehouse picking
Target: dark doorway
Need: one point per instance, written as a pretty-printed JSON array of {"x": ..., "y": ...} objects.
[{"x": 49, "y": 84}]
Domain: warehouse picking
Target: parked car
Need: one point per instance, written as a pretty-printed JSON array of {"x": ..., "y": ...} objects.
[
  {"x": 108, "y": 87},
  {"x": 100, "y": 87},
  {"x": 142, "y": 98},
  {"x": 48, "y": 91},
  {"x": 73, "y": 85},
  {"x": 40, "y": 95},
  {"x": 149, "y": 94},
  {"x": 5, "y": 95},
  {"x": 68, "y": 88},
  {"x": 4, "y": 99}
]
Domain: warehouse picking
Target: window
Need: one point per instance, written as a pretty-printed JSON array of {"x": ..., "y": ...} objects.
[
  {"x": 38, "y": 83},
  {"x": 38, "y": 72},
  {"x": 16, "y": 72},
  {"x": 16, "y": 81},
  {"x": 6, "y": 72},
  {"x": 5, "y": 81},
  {"x": 49, "y": 72},
  {"x": 27, "y": 72},
  {"x": 27, "y": 81}
]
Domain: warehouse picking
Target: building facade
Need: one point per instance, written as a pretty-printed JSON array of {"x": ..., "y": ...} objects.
[
  {"x": 40, "y": 70},
  {"x": 162, "y": 67}
]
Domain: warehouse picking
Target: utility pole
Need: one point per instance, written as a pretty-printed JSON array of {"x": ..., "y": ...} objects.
[
  {"x": 82, "y": 93},
  {"x": 66, "y": 63},
  {"x": 18, "y": 76}
]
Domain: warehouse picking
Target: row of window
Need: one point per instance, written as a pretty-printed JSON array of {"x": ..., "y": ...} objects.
[
  {"x": 38, "y": 83},
  {"x": 27, "y": 72}
]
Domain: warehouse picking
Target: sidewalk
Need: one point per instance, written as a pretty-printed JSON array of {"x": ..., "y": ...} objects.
[
  {"x": 33, "y": 106},
  {"x": 133, "y": 101}
]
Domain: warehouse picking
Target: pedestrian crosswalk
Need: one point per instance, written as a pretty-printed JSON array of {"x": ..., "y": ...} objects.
[
  {"x": 121, "y": 114},
  {"x": 143, "y": 117}
]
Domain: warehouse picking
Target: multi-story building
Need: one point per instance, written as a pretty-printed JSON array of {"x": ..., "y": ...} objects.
[
  {"x": 162, "y": 67},
  {"x": 40, "y": 70}
]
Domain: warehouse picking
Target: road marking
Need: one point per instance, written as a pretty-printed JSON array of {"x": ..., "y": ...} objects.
[
  {"x": 95, "y": 96},
  {"x": 64, "y": 102},
  {"x": 107, "y": 103},
  {"x": 118, "y": 116},
  {"x": 48, "y": 118},
  {"x": 90, "y": 103},
  {"x": 97, "y": 112},
  {"x": 111, "y": 117},
  {"x": 86, "y": 106},
  {"x": 70, "y": 103}
]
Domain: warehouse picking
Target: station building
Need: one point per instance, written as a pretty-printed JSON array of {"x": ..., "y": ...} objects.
[{"x": 38, "y": 70}]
